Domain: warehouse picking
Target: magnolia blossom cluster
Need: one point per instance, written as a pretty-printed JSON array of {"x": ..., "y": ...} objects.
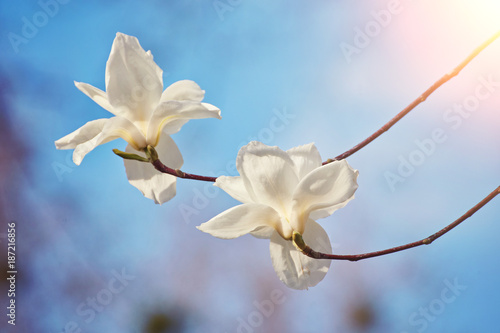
[{"x": 282, "y": 192}]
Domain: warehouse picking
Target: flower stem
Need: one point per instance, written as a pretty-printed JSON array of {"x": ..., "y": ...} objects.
[
  {"x": 426, "y": 241},
  {"x": 153, "y": 158},
  {"x": 416, "y": 102}
]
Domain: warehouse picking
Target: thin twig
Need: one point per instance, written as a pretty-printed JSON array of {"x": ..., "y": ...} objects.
[
  {"x": 179, "y": 173},
  {"x": 426, "y": 241},
  {"x": 416, "y": 102},
  {"x": 152, "y": 155}
]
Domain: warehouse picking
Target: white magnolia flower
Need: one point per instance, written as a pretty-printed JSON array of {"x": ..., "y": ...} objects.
[
  {"x": 144, "y": 115},
  {"x": 283, "y": 192}
]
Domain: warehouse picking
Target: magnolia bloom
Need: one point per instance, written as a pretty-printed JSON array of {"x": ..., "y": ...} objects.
[
  {"x": 285, "y": 192},
  {"x": 143, "y": 115}
]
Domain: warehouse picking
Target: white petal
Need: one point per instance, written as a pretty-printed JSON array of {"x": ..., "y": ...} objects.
[
  {"x": 171, "y": 126},
  {"x": 263, "y": 232},
  {"x": 171, "y": 116},
  {"x": 96, "y": 94},
  {"x": 168, "y": 152},
  {"x": 325, "y": 212},
  {"x": 81, "y": 135},
  {"x": 133, "y": 80},
  {"x": 306, "y": 159},
  {"x": 295, "y": 269},
  {"x": 159, "y": 187},
  {"x": 184, "y": 90},
  {"x": 327, "y": 188},
  {"x": 241, "y": 220},
  {"x": 211, "y": 107},
  {"x": 116, "y": 127},
  {"x": 235, "y": 187},
  {"x": 268, "y": 174}
]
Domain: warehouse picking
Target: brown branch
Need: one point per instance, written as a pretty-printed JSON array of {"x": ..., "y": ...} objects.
[
  {"x": 153, "y": 158},
  {"x": 179, "y": 173},
  {"x": 426, "y": 241},
  {"x": 416, "y": 102}
]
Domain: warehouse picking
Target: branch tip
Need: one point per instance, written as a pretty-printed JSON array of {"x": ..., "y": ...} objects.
[{"x": 445, "y": 78}]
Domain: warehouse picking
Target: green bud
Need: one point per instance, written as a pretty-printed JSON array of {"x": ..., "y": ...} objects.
[
  {"x": 130, "y": 156},
  {"x": 298, "y": 241},
  {"x": 151, "y": 153}
]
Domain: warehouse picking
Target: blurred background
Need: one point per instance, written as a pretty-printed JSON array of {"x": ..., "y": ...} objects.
[{"x": 94, "y": 255}]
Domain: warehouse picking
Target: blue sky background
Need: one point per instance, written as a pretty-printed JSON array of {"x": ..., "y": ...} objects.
[{"x": 77, "y": 227}]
